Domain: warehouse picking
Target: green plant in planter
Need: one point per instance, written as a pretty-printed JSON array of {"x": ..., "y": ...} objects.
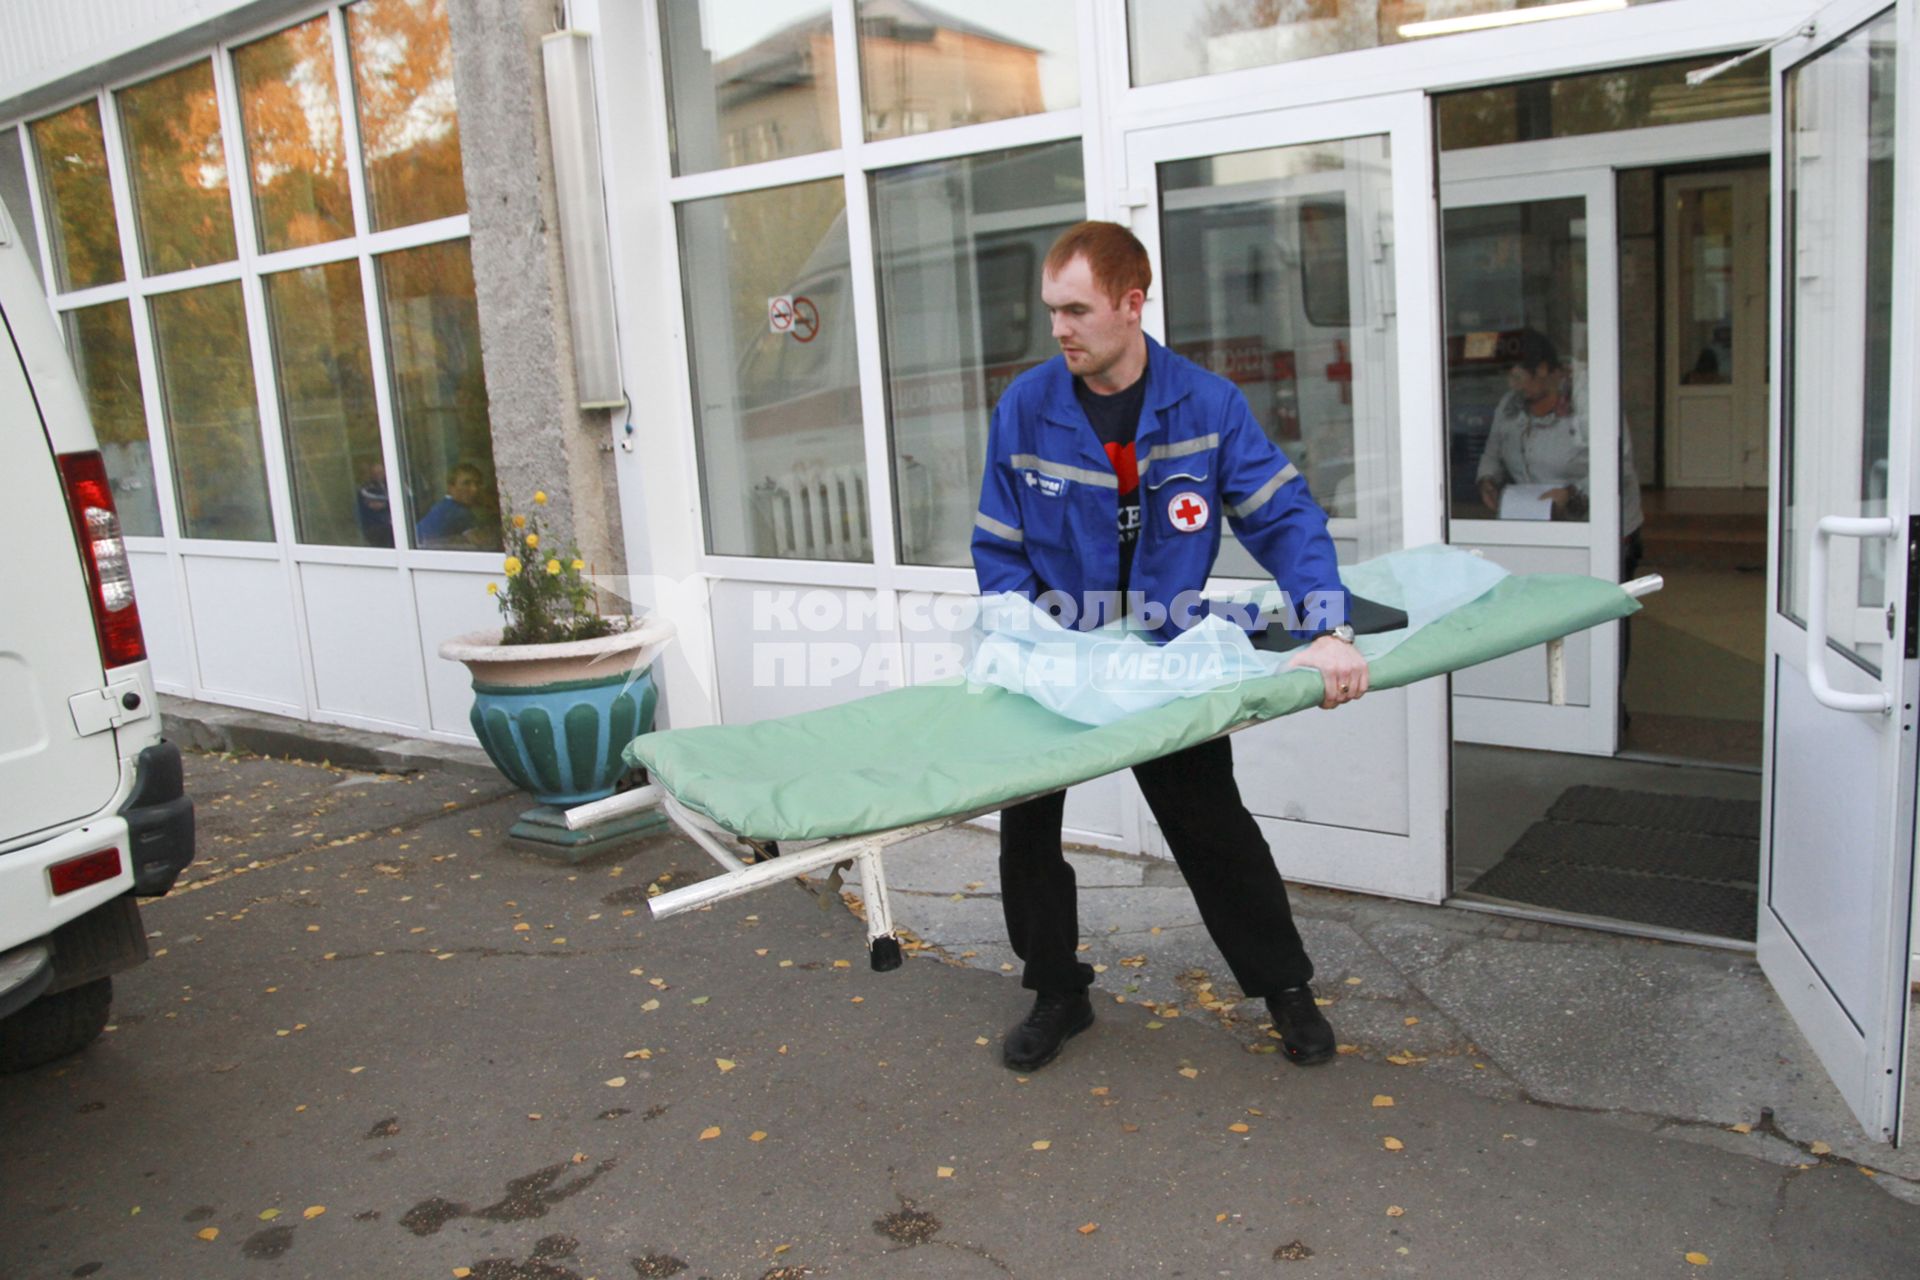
[
  {"x": 560, "y": 689},
  {"x": 547, "y": 600}
]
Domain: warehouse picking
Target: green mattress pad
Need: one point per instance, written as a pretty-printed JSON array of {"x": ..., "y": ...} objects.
[{"x": 940, "y": 750}]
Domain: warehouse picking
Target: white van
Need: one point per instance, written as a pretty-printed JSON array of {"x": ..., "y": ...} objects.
[{"x": 92, "y": 809}]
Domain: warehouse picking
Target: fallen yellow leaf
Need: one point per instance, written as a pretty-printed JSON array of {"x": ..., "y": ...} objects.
[
  {"x": 780, "y": 1249},
  {"x": 649, "y": 1006},
  {"x": 1353, "y": 982},
  {"x": 1742, "y": 1127},
  {"x": 758, "y": 1135},
  {"x": 522, "y": 927},
  {"x": 1191, "y": 1073},
  {"x": 1821, "y": 1149},
  {"x": 944, "y": 1171},
  {"x": 1404, "y": 1059},
  {"x": 1395, "y": 1211},
  {"x": 711, "y": 1131},
  {"x": 1393, "y": 1144},
  {"x": 638, "y": 1053},
  {"x": 313, "y": 1211},
  {"x": 1219, "y": 1217},
  {"x": 617, "y": 1082},
  {"x": 980, "y": 1040},
  {"x": 843, "y": 964},
  {"x": 1382, "y": 1100},
  {"x": 1042, "y": 1145},
  {"x": 1239, "y": 1126},
  {"x": 725, "y": 1064},
  {"x": 1099, "y": 1091},
  {"x": 268, "y": 1215},
  {"x": 1089, "y": 1228},
  {"x": 461, "y": 1273},
  {"x": 1699, "y": 1259},
  {"x": 1410, "y": 1022},
  {"x": 208, "y": 1233}
]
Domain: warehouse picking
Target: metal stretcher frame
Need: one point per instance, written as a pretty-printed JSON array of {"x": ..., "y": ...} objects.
[{"x": 740, "y": 875}]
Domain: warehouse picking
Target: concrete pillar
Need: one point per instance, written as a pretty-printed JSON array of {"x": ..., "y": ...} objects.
[{"x": 541, "y": 438}]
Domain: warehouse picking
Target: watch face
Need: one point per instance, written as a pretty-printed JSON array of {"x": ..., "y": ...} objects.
[{"x": 1343, "y": 632}]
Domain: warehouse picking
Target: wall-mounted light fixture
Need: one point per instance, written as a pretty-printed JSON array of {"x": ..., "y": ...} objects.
[{"x": 581, "y": 196}]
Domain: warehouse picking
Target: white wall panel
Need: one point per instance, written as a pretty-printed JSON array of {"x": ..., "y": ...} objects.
[
  {"x": 243, "y": 631},
  {"x": 161, "y": 621},
  {"x": 365, "y": 660},
  {"x": 451, "y": 603},
  {"x": 781, "y": 649}
]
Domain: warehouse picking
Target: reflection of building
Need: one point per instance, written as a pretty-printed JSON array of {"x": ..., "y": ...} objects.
[{"x": 920, "y": 69}]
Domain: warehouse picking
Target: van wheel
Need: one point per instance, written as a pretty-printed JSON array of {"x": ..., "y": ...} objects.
[{"x": 55, "y": 1025}]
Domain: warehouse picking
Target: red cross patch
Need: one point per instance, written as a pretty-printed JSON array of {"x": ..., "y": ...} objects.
[{"x": 1188, "y": 511}]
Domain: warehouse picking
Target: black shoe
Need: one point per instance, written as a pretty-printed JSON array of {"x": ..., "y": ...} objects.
[
  {"x": 1304, "y": 1031},
  {"x": 1057, "y": 1016}
]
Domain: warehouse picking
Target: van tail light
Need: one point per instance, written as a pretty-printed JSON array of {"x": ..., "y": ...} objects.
[
  {"x": 116, "y": 618},
  {"x": 87, "y": 869}
]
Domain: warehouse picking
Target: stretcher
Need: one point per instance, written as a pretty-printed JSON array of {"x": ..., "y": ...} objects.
[{"x": 869, "y": 774}]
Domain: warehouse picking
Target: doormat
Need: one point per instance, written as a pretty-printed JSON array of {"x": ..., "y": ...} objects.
[
  {"x": 1700, "y": 815},
  {"x": 1679, "y": 862}
]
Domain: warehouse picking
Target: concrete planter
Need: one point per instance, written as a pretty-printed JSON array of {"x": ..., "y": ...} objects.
[{"x": 554, "y": 717}]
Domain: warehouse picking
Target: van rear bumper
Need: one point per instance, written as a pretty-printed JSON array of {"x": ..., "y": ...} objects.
[{"x": 159, "y": 816}]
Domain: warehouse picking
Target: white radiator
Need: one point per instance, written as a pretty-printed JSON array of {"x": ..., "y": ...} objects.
[{"x": 817, "y": 513}]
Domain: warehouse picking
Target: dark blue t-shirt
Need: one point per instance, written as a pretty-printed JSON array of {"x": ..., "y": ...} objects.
[{"x": 1116, "y": 420}]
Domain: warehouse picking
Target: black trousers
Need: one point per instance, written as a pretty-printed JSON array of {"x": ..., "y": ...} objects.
[{"x": 1218, "y": 847}]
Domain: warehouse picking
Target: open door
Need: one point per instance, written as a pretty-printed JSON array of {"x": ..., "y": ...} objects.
[
  {"x": 1294, "y": 253},
  {"x": 1837, "y": 867},
  {"x": 1536, "y": 255}
]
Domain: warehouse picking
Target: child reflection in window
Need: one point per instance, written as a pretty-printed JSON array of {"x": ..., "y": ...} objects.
[
  {"x": 372, "y": 505},
  {"x": 452, "y": 522}
]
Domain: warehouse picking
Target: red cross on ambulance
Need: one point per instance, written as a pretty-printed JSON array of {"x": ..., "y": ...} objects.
[{"x": 1188, "y": 511}]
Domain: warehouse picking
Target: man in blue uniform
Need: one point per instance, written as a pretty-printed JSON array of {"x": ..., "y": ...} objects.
[{"x": 1109, "y": 470}]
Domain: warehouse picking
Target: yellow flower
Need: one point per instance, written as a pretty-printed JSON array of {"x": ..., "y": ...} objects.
[
  {"x": 512, "y": 566},
  {"x": 493, "y": 588},
  {"x": 553, "y": 566},
  {"x": 539, "y": 498},
  {"x": 533, "y": 539},
  {"x": 578, "y": 565},
  {"x": 519, "y": 522}
]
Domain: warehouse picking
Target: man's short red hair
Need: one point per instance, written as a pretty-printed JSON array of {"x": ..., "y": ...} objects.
[{"x": 1119, "y": 261}]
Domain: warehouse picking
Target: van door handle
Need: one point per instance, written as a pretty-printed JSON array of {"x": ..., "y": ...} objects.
[{"x": 1831, "y": 527}]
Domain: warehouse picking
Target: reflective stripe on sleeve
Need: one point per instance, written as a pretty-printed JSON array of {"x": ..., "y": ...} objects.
[
  {"x": 1033, "y": 462},
  {"x": 1265, "y": 491},
  {"x": 997, "y": 528}
]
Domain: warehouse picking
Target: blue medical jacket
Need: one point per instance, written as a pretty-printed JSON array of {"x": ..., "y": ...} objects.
[{"x": 1049, "y": 502}]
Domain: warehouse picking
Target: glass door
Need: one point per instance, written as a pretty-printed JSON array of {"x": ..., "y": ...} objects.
[
  {"x": 1294, "y": 254},
  {"x": 1540, "y": 478},
  {"x": 1838, "y": 841}
]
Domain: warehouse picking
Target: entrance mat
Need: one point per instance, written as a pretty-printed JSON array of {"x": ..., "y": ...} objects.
[
  {"x": 1699, "y": 815},
  {"x": 1679, "y": 855},
  {"x": 1720, "y": 910}
]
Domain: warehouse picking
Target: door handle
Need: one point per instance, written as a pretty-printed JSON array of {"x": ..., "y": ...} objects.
[{"x": 1831, "y": 527}]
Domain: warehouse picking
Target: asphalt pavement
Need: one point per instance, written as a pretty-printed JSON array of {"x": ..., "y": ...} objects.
[{"x": 378, "y": 1040}]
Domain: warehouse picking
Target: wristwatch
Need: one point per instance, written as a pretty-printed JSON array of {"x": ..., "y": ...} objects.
[{"x": 1343, "y": 633}]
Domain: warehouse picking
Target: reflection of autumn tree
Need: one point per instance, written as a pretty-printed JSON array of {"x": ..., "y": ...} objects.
[
  {"x": 439, "y": 383},
  {"x": 409, "y": 133},
  {"x": 291, "y": 107},
  {"x": 172, "y": 126},
  {"x": 101, "y": 341},
  {"x": 213, "y": 423},
  {"x": 326, "y": 396},
  {"x": 73, "y": 173}
]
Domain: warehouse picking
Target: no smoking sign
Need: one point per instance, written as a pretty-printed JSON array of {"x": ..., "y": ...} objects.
[{"x": 793, "y": 315}]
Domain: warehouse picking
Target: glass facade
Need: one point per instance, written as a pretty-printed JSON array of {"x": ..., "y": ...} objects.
[
  {"x": 82, "y": 231},
  {"x": 327, "y": 414},
  {"x": 212, "y": 416},
  {"x": 296, "y": 155},
  {"x": 748, "y": 80},
  {"x": 298, "y": 122},
  {"x": 178, "y": 164},
  {"x": 1180, "y": 39},
  {"x": 1609, "y": 101},
  {"x": 770, "y": 325},
  {"x": 922, "y": 70},
  {"x": 959, "y": 244},
  {"x": 402, "y": 52}
]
